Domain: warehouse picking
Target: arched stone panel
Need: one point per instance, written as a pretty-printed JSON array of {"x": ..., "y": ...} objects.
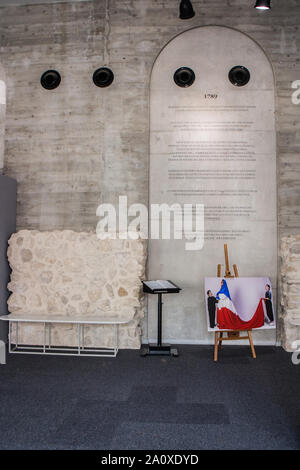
[{"x": 212, "y": 143}]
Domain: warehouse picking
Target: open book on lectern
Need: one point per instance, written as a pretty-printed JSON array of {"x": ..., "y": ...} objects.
[{"x": 163, "y": 286}]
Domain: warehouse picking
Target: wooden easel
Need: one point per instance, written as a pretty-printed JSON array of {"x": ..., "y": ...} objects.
[{"x": 231, "y": 334}]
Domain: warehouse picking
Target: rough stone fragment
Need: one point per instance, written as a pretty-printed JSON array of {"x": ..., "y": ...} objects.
[
  {"x": 74, "y": 273},
  {"x": 26, "y": 255},
  {"x": 122, "y": 292}
]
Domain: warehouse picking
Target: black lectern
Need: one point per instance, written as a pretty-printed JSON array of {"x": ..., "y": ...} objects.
[{"x": 159, "y": 287}]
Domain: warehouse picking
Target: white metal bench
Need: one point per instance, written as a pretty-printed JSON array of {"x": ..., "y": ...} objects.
[{"x": 47, "y": 348}]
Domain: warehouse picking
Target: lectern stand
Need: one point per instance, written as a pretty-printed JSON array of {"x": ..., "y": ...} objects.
[{"x": 159, "y": 288}]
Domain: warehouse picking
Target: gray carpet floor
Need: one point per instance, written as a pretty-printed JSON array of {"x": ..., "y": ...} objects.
[{"x": 131, "y": 402}]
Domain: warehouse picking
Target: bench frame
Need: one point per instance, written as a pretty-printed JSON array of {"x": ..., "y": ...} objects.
[{"x": 46, "y": 348}]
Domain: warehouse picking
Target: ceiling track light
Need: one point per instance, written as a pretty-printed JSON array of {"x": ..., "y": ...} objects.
[
  {"x": 186, "y": 10},
  {"x": 263, "y": 4}
]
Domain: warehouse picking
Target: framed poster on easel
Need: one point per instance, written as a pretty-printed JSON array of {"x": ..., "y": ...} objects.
[{"x": 237, "y": 305}]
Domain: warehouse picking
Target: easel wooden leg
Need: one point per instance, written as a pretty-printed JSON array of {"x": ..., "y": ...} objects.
[
  {"x": 251, "y": 344},
  {"x": 220, "y": 339},
  {"x": 231, "y": 335},
  {"x": 216, "y": 346}
]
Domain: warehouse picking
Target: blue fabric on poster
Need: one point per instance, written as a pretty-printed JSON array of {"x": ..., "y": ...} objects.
[{"x": 224, "y": 290}]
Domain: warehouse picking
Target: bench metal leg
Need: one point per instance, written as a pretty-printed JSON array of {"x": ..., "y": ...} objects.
[
  {"x": 78, "y": 329},
  {"x": 82, "y": 336},
  {"x": 10, "y": 332},
  {"x": 116, "y": 346},
  {"x": 46, "y": 346},
  {"x": 2, "y": 352}
]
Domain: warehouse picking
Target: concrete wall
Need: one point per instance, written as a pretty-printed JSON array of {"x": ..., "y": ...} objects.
[{"x": 78, "y": 145}]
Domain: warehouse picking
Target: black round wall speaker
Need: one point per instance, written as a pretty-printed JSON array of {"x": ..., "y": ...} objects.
[
  {"x": 50, "y": 79},
  {"x": 103, "y": 77},
  {"x": 239, "y": 75},
  {"x": 184, "y": 77}
]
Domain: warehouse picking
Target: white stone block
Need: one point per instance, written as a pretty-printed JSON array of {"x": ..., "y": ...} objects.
[
  {"x": 2, "y": 352},
  {"x": 290, "y": 290},
  {"x": 69, "y": 273}
]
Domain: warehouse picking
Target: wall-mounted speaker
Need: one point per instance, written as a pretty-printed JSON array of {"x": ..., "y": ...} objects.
[
  {"x": 50, "y": 79},
  {"x": 239, "y": 75},
  {"x": 103, "y": 77},
  {"x": 184, "y": 77}
]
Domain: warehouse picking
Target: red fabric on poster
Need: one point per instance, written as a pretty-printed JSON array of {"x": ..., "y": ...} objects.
[{"x": 227, "y": 320}]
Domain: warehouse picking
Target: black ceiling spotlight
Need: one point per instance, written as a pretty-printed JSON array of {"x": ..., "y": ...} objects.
[
  {"x": 239, "y": 75},
  {"x": 186, "y": 10},
  {"x": 184, "y": 77},
  {"x": 103, "y": 77},
  {"x": 263, "y": 4},
  {"x": 50, "y": 79}
]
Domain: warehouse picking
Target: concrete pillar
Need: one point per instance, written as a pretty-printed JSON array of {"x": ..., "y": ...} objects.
[
  {"x": 8, "y": 203},
  {"x": 2, "y": 114}
]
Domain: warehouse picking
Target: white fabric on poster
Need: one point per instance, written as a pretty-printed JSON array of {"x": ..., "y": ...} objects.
[{"x": 227, "y": 303}]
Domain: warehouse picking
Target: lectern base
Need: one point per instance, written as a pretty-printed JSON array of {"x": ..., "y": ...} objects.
[{"x": 156, "y": 350}]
